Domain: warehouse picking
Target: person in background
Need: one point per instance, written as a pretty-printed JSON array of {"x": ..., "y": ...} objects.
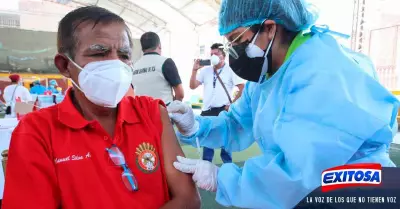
[
  {"x": 52, "y": 87},
  {"x": 97, "y": 148},
  {"x": 37, "y": 88},
  {"x": 13, "y": 91},
  {"x": 215, "y": 98},
  {"x": 310, "y": 104},
  {"x": 155, "y": 75},
  {"x": 59, "y": 89}
]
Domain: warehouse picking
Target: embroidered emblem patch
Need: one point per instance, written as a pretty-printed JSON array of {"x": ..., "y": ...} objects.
[{"x": 146, "y": 157}]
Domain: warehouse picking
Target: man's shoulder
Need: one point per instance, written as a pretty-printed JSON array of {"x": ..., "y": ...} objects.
[
  {"x": 165, "y": 60},
  {"x": 207, "y": 69},
  {"x": 145, "y": 106},
  {"x": 229, "y": 69},
  {"x": 8, "y": 87},
  {"x": 144, "y": 102},
  {"x": 44, "y": 114},
  {"x": 153, "y": 56},
  {"x": 22, "y": 88},
  {"x": 227, "y": 72},
  {"x": 38, "y": 121},
  {"x": 168, "y": 62},
  {"x": 150, "y": 57}
]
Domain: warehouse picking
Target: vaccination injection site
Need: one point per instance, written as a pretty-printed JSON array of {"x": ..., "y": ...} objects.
[{"x": 189, "y": 104}]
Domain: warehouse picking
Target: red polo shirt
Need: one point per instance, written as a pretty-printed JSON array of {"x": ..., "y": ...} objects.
[{"x": 57, "y": 159}]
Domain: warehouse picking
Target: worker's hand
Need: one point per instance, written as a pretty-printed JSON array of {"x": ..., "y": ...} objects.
[
  {"x": 204, "y": 172},
  {"x": 183, "y": 117},
  {"x": 196, "y": 65}
]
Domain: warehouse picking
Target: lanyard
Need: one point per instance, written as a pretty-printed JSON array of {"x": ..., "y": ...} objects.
[{"x": 215, "y": 77}]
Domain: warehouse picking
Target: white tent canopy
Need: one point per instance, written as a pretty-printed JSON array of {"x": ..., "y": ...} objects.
[
  {"x": 157, "y": 15},
  {"x": 187, "y": 28}
]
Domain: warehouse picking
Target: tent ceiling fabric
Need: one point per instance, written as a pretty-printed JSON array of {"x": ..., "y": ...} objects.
[
  {"x": 137, "y": 18},
  {"x": 198, "y": 12},
  {"x": 155, "y": 15}
]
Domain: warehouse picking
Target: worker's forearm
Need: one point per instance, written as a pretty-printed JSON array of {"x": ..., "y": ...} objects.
[
  {"x": 193, "y": 79},
  {"x": 178, "y": 97}
]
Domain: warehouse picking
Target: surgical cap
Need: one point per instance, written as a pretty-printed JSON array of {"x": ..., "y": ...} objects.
[
  {"x": 53, "y": 82},
  {"x": 294, "y": 15}
]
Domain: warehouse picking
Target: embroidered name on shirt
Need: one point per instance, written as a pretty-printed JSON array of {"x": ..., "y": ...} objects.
[
  {"x": 144, "y": 70},
  {"x": 72, "y": 158}
]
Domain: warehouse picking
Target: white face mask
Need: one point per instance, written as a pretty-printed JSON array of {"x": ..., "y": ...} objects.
[
  {"x": 253, "y": 50},
  {"x": 104, "y": 83},
  {"x": 215, "y": 60}
]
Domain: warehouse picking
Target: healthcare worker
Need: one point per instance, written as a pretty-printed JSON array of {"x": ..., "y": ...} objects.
[
  {"x": 37, "y": 88},
  {"x": 52, "y": 87},
  {"x": 310, "y": 105},
  {"x": 59, "y": 90}
]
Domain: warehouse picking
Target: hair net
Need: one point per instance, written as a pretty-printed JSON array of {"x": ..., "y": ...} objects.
[
  {"x": 294, "y": 15},
  {"x": 53, "y": 82}
]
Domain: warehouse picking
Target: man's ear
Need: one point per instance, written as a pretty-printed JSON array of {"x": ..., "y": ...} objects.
[
  {"x": 62, "y": 63},
  {"x": 266, "y": 34},
  {"x": 159, "y": 49},
  {"x": 269, "y": 26}
]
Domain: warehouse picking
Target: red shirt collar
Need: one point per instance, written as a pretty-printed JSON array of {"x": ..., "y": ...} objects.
[{"x": 70, "y": 116}]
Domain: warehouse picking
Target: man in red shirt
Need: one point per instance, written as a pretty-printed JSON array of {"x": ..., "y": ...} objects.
[{"x": 98, "y": 148}]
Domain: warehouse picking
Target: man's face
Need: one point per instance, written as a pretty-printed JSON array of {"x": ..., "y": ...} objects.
[
  {"x": 104, "y": 42},
  {"x": 218, "y": 53}
]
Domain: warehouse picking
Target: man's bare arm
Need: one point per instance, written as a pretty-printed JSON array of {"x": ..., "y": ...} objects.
[
  {"x": 181, "y": 186},
  {"x": 239, "y": 93},
  {"x": 178, "y": 92},
  {"x": 194, "y": 83}
]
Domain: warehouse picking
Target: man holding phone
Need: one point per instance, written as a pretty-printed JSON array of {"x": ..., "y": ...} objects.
[{"x": 215, "y": 98}]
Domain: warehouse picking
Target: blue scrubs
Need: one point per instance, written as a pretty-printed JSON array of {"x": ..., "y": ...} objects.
[
  {"x": 324, "y": 107},
  {"x": 53, "y": 90},
  {"x": 38, "y": 89}
]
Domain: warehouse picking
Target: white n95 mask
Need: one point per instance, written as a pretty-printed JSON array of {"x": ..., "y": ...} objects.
[
  {"x": 253, "y": 51},
  {"x": 215, "y": 60},
  {"x": 104, "y": 83}
]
